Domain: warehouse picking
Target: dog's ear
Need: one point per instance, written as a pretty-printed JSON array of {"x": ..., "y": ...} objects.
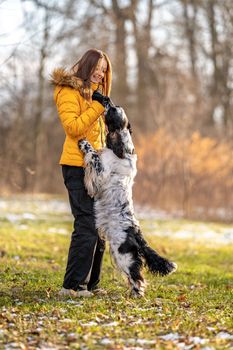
[{"x": 114, "y": 142}]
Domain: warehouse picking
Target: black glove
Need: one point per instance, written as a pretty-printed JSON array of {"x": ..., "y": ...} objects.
[{"x": 104, "y": 100}]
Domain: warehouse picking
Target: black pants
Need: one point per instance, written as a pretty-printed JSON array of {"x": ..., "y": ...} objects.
[{"x": 86, "y": 248}]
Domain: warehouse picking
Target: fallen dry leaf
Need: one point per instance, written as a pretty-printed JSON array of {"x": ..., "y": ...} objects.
[{"x": 182, "y": 297}]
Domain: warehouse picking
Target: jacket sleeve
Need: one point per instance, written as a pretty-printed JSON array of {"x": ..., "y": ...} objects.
[{"x": 74, "y": 122}]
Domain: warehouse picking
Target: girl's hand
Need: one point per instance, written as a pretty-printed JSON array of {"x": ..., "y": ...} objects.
[{"x": 104, "y": 100}]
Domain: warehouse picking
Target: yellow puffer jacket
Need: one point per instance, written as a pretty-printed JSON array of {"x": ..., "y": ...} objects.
[{"x": 79, "y": 117}]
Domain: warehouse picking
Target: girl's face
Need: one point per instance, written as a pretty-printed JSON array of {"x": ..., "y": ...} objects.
[{"x": 99, "y": 72}]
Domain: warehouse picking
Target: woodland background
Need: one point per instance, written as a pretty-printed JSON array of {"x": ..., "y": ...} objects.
[{"x": 172, "y": 73}]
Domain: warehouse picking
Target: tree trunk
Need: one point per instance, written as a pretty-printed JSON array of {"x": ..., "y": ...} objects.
[
  {"x": 39, "y": 106},
  {"x": 120, "y": 84},
  {"x": 142, "y": 39}
]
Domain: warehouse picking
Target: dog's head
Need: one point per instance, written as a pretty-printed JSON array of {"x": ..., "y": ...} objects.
[{"x": 119, "y": 132}]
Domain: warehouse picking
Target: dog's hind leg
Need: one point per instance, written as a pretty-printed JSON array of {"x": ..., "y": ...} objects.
[
  {"x": 128, "y": 261},
  {"x": 132, "y": 272},
  {"x": 136, "y": 280}
]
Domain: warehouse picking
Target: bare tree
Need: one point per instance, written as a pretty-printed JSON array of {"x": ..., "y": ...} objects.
[
  {"x": 121, "y": 85},
  {"x": 143, "y": 42},
  {"x": 220, "y": 54},
  {"x": 190, "y": 10}
]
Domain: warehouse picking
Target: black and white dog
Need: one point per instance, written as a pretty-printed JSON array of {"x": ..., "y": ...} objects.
[{"x": 109, "y": 176}]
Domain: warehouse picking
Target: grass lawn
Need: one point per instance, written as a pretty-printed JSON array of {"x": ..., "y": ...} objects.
[{"x": 191, "y": 309}]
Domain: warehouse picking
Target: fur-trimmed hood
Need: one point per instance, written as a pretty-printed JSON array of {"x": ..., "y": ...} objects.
[{"x": 61, "y": 77}]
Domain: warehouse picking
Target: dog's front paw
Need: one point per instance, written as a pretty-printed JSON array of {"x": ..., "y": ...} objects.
[{"x": 83, "y": 145}]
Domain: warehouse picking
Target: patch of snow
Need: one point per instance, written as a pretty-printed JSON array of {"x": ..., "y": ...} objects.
[
  {"x": 39, "y": 329},
  {"x": 175, "y": 337},
  {"x": 35, "y": 204},
  {"x": 170, "y": 336},
  {"x": 13, "y": 217},
  {"x": 111, "y": 324},
  {"x": 66, "y": 320},
  {"x": 139, "y": 341},
  {"x": 198, "y": 340},
  {"x": 71, "y": 301},
  {"x": 106, "y": 341},
  {"x": 49, "y": 347},
  {"x": 60, "y": 231},
  {"x": 200, "y": 233},
  {"x": 72, "y": 336},
  {"x": 224, "y": 335},
  {"x": 12, "y": 345},
  {"x": 88, "y": 324},
  {"x": 11, "y": 324},
  {"x": 28, "y": 216},
  {"x": 16, "y": 257},
  {"x": 183, "y": 346},
  {"x": 145, "y": 341},
  {"x": 145, "y": 212},
  {"x": 29, "y": 208}
]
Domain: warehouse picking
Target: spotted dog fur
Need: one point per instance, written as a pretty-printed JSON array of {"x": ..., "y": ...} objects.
[{"x": 109, "y": 177}]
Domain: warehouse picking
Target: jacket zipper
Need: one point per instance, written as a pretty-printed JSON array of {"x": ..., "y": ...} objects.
[{"x": 101, "y": 132}]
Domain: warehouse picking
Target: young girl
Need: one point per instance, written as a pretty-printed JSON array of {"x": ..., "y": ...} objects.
[{"x": 80, "y": 109}]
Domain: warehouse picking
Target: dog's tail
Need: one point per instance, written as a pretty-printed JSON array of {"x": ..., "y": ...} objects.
[{"x": 155, "y": 263}]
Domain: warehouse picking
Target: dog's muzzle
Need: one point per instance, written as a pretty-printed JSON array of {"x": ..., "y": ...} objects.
[
  {"x": 129, "y": 150},
  {"x": 127, "y": 141}
]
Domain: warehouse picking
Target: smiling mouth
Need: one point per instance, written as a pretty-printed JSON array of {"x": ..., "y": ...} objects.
[{"x": 97, "y": 78}]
